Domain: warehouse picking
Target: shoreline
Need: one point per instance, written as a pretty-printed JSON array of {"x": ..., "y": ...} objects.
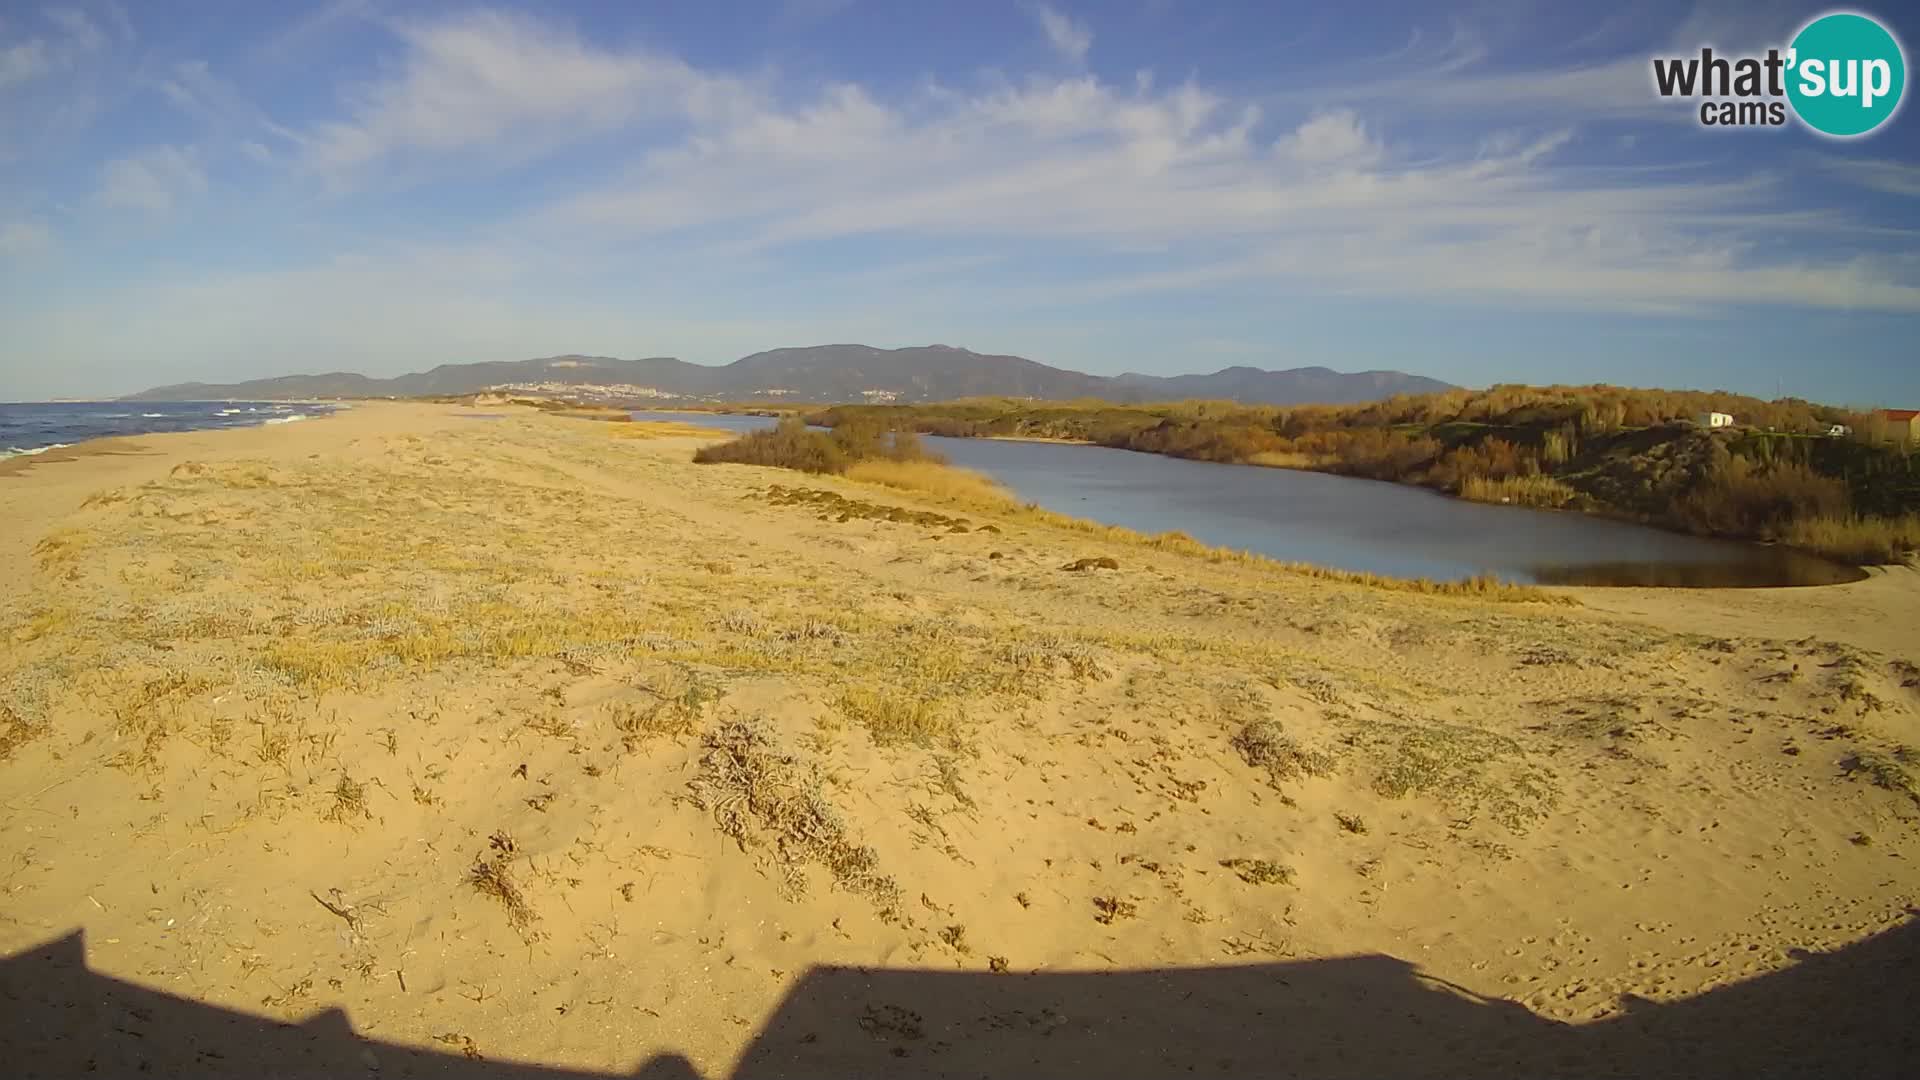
[
  {"x": 1600, "y": 513},
  {"x": 14, "y": 455}
]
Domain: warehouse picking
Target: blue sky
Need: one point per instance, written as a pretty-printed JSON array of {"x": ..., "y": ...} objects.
[{"x": 1489, "y": 192}]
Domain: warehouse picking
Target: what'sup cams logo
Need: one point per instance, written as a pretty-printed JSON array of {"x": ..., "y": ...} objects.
[{"x": 1842, "y": 76}]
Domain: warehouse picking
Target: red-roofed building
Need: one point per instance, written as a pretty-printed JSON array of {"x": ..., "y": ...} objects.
[{"x": 1898, "y": 425}]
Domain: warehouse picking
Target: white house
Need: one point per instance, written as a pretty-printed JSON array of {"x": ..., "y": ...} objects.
[{"x": 1714, "y": 420}]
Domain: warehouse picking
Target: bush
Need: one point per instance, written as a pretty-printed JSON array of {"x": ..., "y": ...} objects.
[
  {"x": 792, "y": 445},
  {"x": 1863, "y": 541},
  {"x": 1737, "y": 497}
]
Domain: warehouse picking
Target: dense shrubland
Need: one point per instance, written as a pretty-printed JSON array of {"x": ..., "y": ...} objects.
[{"x": 1603, "y": 449}]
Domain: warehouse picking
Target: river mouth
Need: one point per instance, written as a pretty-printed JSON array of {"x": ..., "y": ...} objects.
[{"x": 1365, "y": 526}]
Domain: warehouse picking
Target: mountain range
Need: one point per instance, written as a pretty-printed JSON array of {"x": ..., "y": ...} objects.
[{"x": 821, "y": 374}]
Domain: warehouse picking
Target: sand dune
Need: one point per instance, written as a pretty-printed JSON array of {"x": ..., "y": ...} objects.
[{"x": 524, "y": 740}]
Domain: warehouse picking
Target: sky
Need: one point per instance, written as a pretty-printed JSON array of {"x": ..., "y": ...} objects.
[{"x": 1481, "y": 192}]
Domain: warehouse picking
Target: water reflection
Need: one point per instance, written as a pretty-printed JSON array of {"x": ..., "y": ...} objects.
[{"x": 1360, "y": 525}]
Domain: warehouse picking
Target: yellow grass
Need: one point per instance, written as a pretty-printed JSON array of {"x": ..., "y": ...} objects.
[
  {"x": 1860, "y": 540},
  {"x": 947, "y": 481},
  {"x": 1286, "y": 459},
  {"x": 665, "y": 429},
  {"x": 1517, "y": 490}
]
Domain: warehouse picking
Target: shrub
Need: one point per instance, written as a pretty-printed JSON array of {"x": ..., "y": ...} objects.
[
  {"x": 1736, "y": 497},
  {"x": 789, "y": 445},
  {"x": 792, "y": 445},
  {"x": 1862, "y": 541}
]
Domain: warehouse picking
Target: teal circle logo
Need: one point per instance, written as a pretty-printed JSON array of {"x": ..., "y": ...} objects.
[{"x": 1845, "y": 74}]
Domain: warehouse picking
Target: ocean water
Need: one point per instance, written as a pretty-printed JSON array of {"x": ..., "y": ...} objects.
[{"x": 36, "y": 427}]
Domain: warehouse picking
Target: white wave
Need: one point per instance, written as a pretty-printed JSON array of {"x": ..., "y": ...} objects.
[
  {"x": 286, "y": 419},
  {"x": 17, "y": 452},
  {"x": 151, "y": 415},
  {"x": 228, "y": 412}
]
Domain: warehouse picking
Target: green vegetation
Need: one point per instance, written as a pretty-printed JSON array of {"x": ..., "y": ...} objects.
[{"x": 1599, "y": 449}]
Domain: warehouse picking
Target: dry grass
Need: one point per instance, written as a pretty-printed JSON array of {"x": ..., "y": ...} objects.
[
  {"x": 1862, "y": 541},
  {"x": 759, "y": 795},
  {"x": 1470, "y": 770},
  {"x": 674, "y": 714},
  {"x": 1264, "y": 745},
  {"x": 1891, "y": 771},
  {"x": 1286, "y": 459},
  {"x": 349, "y": 802},
  {"x": 492, "y": 875},
  {"x": 665, "y": 429},
  {"x": 928, "y": 478},
  {"x": 1537, "y": 490},
  {"x": 895, "y": 718},
  {"x": 1259, "y": 871},
  {"x": 16, "y": 731}
]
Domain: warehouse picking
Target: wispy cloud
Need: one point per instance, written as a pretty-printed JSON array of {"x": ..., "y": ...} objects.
[
  {"x": 69, "y": 34},
  {"x": 1458, "y": 168},
  {"x": 1323, "y": 204},
  {"x": 1067, "y": 36},
  {"x": 508, "y": 83},
  {"x": 79, "y": 27},
  {"x": 154, "y": 181},
  {"x": 24, "y": 60},
  {"x": 1892, "y": 177}
]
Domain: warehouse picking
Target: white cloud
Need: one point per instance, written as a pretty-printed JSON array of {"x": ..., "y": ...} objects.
[
  {"x": 153, "y": 180},
  {"x": 1892, "y": 177},
  {"x": 1067, "y": 36},
  {"x": 1079, "y": 165},
  {"x": 1075, "y": 191},
  {"x": 508, "y": 83},
  {"x": 23, "y": 238},
  {"x": 22, "y": 61},
  {"x": 80, "y": 29},
  {"x": 1330, "y": 138},
  {"x": 34, "y": 57}
]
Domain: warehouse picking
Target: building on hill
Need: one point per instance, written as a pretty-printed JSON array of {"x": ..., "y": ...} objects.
[
  {"x": 1714, "y": 420},
  {"x": 1895, "y": 425}
]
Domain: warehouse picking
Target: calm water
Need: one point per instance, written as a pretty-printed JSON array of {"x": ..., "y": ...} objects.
[
  {"x": 36, "y": 427},
  {"x": 1360, "y": 525}
]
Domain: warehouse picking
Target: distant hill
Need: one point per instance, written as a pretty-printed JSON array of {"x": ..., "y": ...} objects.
[{"x": 821, "y": 374}]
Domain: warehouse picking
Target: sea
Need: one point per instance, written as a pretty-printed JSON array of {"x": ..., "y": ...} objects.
[{"x": 37, "y": 427}]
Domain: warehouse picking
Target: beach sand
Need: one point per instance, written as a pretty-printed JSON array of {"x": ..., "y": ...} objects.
[{"x": 413, "y": 741}]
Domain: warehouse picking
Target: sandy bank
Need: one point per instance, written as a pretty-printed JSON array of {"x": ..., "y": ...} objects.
[{"x": 525, "y": 739}]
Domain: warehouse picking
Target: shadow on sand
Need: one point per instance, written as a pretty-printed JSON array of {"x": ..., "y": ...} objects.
[{"x": 1848, "y": 1013}]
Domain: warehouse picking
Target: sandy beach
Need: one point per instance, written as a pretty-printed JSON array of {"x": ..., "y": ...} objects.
[{"x": 443, "y": 740}]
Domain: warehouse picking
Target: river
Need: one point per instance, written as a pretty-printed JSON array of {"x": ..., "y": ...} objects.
[{"x": 1353, "y": 524}]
